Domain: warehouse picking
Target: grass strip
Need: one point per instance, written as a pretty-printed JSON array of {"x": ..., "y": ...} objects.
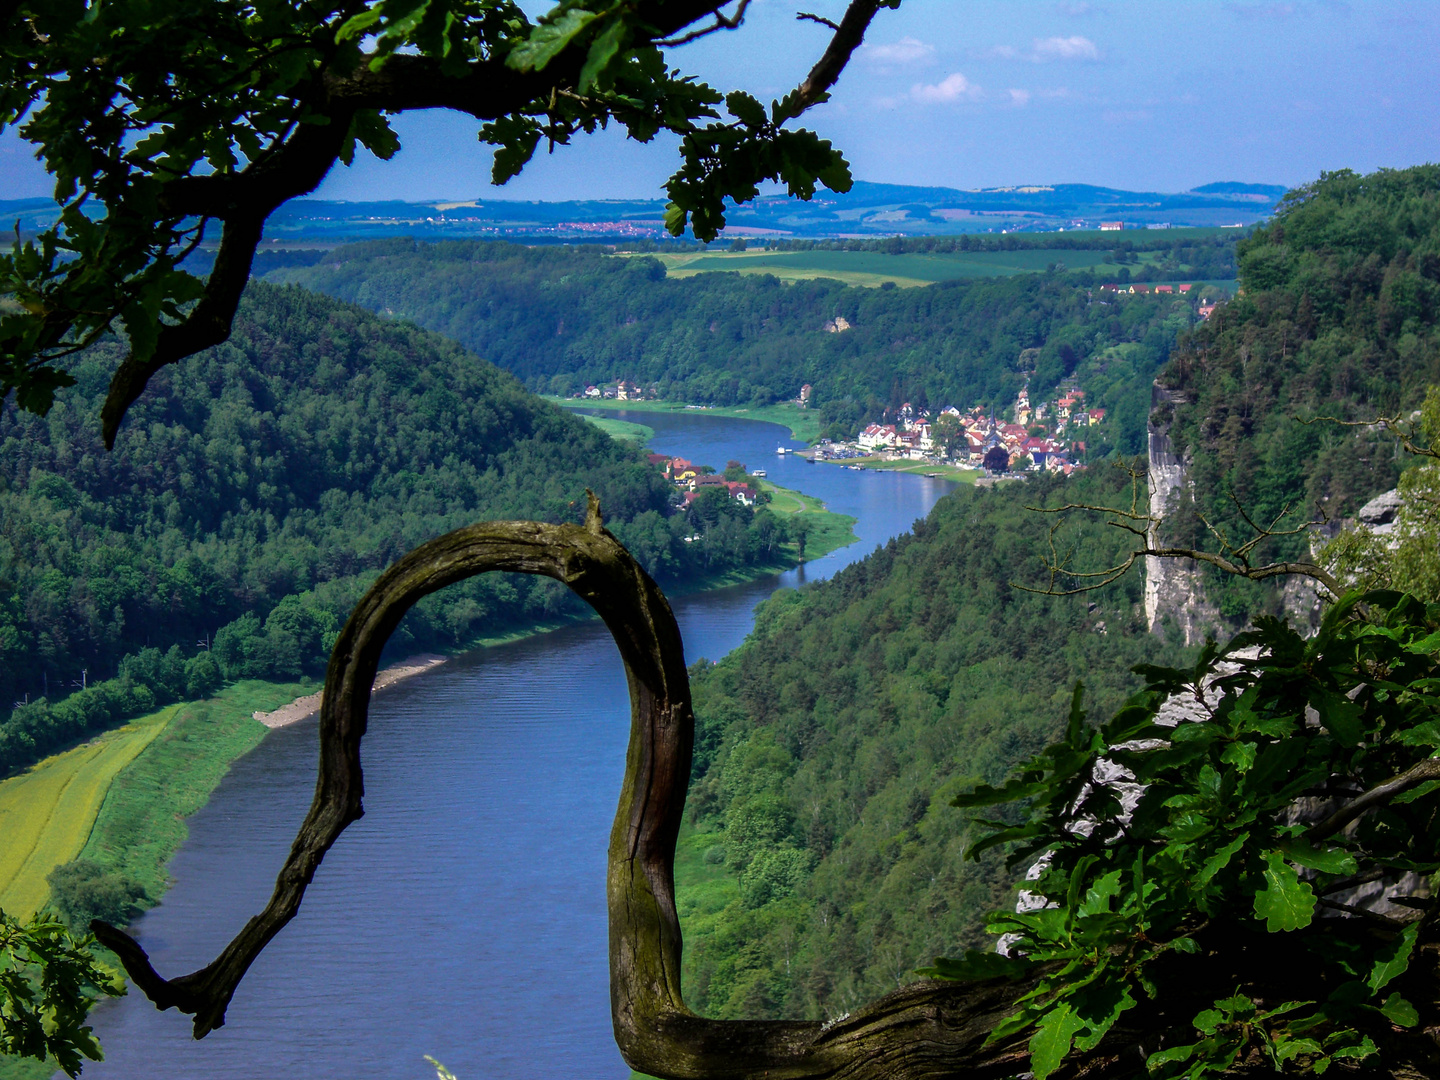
[
  {"x": 921, "y": 468},
  {"x": 47, "y": 812},
  {"x": 826, "y": 531},
  {"x": 804, "y": 425},
  {"x": 141, "y": 823},
  {"x": 621, "y": 429}
]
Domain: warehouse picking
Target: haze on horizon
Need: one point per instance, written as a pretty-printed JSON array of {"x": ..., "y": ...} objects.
[{"x": 1117, "y": 93}]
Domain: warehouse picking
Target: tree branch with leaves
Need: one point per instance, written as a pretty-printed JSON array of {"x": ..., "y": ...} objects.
[{"x": 163, "y": 123}]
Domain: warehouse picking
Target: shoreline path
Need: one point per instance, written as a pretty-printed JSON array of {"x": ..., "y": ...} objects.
[{"x": 309, "y": 705}]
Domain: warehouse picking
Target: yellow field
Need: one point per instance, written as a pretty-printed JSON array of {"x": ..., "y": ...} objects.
[{"x": 46, "y": 813}]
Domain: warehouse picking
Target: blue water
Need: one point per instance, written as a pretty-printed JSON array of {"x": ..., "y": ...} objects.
[{"x": 464, "y": 916}]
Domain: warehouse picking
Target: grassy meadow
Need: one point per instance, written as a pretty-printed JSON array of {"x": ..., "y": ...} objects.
[
  {"x": 142, "y": 822},
  {"x": 621, "y": 429},
  {"x": 804, "y": 425},
  {"x": 121, "y": 798},
  {"x": 827, "y": 531},
  {"x": 874, "y": 268},
  {"x": 922, "y": 468},
  {"x": 47, "y": 812}
]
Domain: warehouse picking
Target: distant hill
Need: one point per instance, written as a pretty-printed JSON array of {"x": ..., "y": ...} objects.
[
  {"x": 868, "y": 209},
  {"x": 1273, "y": 192}
]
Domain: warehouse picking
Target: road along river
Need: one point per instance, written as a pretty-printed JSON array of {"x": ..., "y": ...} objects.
[{"x": 464, "y": 916}]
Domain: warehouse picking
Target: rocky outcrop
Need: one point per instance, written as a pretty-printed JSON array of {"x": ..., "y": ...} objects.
[{"x": 1174, "y": 590}]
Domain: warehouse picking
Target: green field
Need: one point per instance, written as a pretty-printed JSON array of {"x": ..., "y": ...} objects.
[
  {"x": 803, "y": 424},
  {"x": 827, "y": 531},
  {"x": 142, "y": 822},
  {"x": 621, "y": 429},
  {"x": 944, "y": 472},
  {"x": 907, "y": 270},
  {"x": 46, "y": 813},
  {"x": 873, "y": 268}
]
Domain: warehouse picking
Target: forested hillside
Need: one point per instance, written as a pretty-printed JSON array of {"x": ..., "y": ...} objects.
[
  {"x": 561, "y": 318},
  {"x": 827, "y": 863},
  {"x": 258, "y": 488},
  {"x": 1341, "y": 294}
]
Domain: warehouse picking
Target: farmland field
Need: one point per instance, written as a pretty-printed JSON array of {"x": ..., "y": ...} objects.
[
  {"x": 873, "y": 268},
  {"x": 46, "y": 813}
]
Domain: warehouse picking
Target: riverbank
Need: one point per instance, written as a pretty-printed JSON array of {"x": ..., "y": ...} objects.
[
  {"x": 919, "y": 468},
  {"x": 309, "y": 705},
  {"x": 621, "y": 429},
  {"x": 804, "y": 425},
  {"x": 825, "y": 531}
]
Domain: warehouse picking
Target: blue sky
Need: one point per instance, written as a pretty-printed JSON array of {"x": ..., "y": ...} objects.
[{"x": 1158, "y": 95}]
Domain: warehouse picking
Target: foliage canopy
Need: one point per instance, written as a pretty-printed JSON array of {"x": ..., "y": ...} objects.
[{"x": 168, "y": 118}]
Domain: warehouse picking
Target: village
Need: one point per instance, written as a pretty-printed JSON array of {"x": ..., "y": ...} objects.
[
  {"x": 1047, "y": 436},
  {"x": 694, "y": 480}
]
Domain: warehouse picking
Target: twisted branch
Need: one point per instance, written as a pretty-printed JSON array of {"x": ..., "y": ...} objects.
[
  {"x": 928, "y": 1029},
  {"x": 1233, "y": 558}
]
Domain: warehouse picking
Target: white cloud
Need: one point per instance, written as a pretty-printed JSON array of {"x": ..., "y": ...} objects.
[
  {"x": 951, "y": 89},
  {"x": 1043, "y": 50},
  {"x": 1019, "y": 98},
  {"x": 1064, "y": 48},
  {"x": 906, "y": 52}
]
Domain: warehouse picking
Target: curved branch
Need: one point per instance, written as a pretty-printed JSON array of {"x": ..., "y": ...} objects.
[
  {"x": 923, "y": 1030},
  {"x": 487, "y": 90},
  {"x": 1429, "y": 769},
  {"x": 847, "y": 38}
]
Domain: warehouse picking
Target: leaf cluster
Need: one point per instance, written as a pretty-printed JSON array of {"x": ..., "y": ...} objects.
[
  {"x": 48, "y": 981},
  {"x": 160, "y": 118},
  {"x": 1172, "y": 854}
]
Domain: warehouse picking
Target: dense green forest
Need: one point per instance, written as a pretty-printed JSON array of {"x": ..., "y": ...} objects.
[
  {"x": 1337, "y": 317},
  {"x": 562, "y": 318},
  {"x": 826, "y": 862},
  {"x": 258, "y": 488}
]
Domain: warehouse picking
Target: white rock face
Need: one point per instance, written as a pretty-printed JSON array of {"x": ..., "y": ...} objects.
[{"x": 1173, "y": 587}]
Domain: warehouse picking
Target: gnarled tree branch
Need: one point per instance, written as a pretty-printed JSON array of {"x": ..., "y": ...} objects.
[
  {"x": 487, "y": 90},
  {"x": 922, "y": 1030}
]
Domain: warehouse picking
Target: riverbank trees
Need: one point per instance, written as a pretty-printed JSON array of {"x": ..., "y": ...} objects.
[{"x": 264, "y": 486}]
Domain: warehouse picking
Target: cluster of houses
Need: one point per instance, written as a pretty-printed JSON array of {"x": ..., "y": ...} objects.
[
  {"x": 1204, "y": 310},
  {"x": 1045, "y": 436},
  {"x": 622, "y": 390},
  {"x": 689, "y": 478}
]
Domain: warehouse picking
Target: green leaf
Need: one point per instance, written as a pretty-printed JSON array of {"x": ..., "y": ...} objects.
[
  {"x": 1340, "y": 717},
  {"x": 1417, "y": 792},
  {"x": 1206, "y": 1022},
  {"x": 1239, "y": 754},
  {"x": 1286, "y": 902},
  {"x": 974, "y": 966},
  {"x": 1220, "y": 859},
  {"x": 1393, "y": 958},
  {"x": 602, "y": 51},
  {"x": 1326, "y": 860},
  {"x": 1399, "y": 1011},
  {"x": 749, "y": 111},
  {"x": 1099, "y": 895},
  {"x": 1363, "y": 1049},
  {"x": 1165, "y": 1057},
  {"x": 1051, "y": 1041},
  {"x": 548, "y": 40}
]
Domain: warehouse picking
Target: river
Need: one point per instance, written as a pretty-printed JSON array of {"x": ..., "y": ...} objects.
[{"x": 464, "y": 916}]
